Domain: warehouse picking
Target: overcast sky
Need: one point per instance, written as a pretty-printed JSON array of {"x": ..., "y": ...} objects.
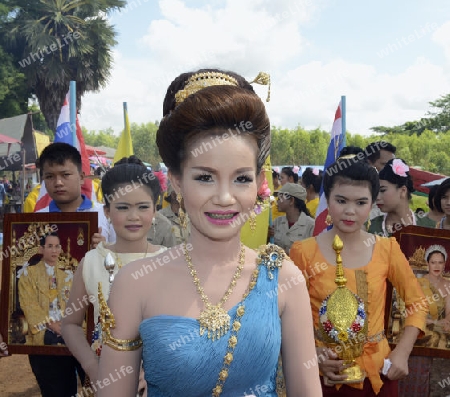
[{"x": 390, "y": 58}]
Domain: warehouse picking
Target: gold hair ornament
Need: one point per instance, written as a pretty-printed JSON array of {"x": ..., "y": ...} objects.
[
  {"x": 108, "y": 321},
  {"x": 199, "y": 81},
  {"x": 263, "y": 78},
  {"x": 347, "y": 157}
]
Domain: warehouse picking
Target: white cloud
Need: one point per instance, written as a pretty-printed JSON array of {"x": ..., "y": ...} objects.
[
  {"x": 254, "y": 35},
  {"x": 240, "y": 33},
  {"x": 442, "y": 37},
  {"x": 314, "y": 90}
]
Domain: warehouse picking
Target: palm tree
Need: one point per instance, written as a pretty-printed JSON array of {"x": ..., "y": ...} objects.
[{"x": 56, "y": 41}]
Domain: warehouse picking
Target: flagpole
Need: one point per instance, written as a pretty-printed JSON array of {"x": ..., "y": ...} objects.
[
  {"x": 344, "y": 119},
  {"x": 125, "y": 111},
  {"x": 73, "y": 109}
]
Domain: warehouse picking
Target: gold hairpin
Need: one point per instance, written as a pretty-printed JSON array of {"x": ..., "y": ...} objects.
[
  {"x": 347, "y": 156},
  {"x": 263, "y": 78},
  {"x": 199, "y": 81}
]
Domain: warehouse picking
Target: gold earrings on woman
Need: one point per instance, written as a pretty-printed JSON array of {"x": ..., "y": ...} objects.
[
  {"x": 252, "y": 221},
  {"x": 181, "y": 213},
  {"x": 329, "y": 220}
]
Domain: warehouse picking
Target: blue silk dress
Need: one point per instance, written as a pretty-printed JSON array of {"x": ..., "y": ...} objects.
[{"x": 180, "y": 362}]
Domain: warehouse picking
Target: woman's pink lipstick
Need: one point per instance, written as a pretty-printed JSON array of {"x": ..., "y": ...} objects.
[
  {"x": 349, "y": 223},
  {"x": 221, "y": 218}
]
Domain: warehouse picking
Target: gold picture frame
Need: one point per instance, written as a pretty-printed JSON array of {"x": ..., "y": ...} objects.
[
  {"x": 22, "y": 233},
  {"x": 414, "y": 241}
]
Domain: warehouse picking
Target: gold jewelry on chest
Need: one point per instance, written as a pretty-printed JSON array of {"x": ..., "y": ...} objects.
[
  {"x": 110, "y": 263},
  {"x": 214, "y": 318}
]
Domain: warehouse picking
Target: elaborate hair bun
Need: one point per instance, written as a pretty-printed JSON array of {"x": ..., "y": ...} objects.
[
  {"x": 396, "y": 171},
  {"x": 227, "y": 103},
  {"x": 130, "y": 160}
]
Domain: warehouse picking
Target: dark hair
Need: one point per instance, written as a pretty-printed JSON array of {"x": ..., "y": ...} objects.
[
  {"x": 301, "y": 206},
  {"x": 129, "y": 171},
  {"x": 309, "y": 179},
  {"x": 288, "y": 171},
  {"x": 348, "y": 150},
  {"x": 59, "y": 153},
  {"x": 210, "y": 111},
  {"x": 43, "y": 239},
  {"x": 373, "y": 150},
  {"x": 435, "y": 252},
  {"x": 354, "y": 173},
  {"x": 431, "y": 196},
  {"x": 275, "y": 174},
  {"x": 388, "y": 174},
  {"x": 440, "y": 193}
]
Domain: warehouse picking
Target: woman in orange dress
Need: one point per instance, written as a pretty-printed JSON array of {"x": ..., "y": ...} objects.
[{"x": 369, "y": 261}]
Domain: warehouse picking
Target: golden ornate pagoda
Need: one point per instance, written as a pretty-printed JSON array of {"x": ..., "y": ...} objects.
[{"x": 343, "y": 323}]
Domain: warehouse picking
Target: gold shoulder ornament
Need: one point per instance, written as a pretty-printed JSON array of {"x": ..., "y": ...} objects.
[
  {"x": 271, "y": 256},
  {"x": 108, "y": 321}
]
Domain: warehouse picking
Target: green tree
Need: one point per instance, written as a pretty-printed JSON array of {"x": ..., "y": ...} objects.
[
  {"x": 38, "y": 119},
  {"x": 440, "y": 117},
  {"x": 100, "y": 138},
  {"x": 56, "y": 41},
  {"x": 13, "y": 89},
  {"x": 144, "y": 142}
]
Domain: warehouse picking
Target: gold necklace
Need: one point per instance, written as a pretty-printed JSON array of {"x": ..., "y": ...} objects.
[
  {"x": 214, "y": 318},
  {"x": 233, "y": 340}
]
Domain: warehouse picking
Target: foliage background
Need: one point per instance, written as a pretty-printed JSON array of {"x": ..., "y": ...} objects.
[{"x": 429, "y": 150}]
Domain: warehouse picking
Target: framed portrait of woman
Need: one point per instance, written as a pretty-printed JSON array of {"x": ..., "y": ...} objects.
[
  {"x": 427, "y": 251},
  {"x": 40, "y": 254}
]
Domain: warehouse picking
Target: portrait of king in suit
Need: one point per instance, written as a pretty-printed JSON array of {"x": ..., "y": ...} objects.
[{"x": 43, "y": 294}]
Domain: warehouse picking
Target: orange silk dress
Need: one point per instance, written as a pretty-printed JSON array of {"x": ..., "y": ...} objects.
[{"x": 387, "y": 263}]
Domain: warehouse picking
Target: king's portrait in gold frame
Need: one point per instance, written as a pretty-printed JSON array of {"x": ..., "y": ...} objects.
[
  {"x": 40, "y": 255},
  {"x": 427, "y": 251}
]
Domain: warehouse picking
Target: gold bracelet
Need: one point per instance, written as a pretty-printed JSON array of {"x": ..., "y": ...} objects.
[
  {"x": 123, "y": 344},
  {"x": 108, "y": 321}
]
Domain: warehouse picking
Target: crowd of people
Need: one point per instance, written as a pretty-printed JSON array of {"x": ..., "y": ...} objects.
[{"x": 211, "y": 318}]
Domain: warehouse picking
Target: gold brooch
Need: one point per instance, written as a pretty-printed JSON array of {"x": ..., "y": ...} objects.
[{"x": 271, "y": 256}]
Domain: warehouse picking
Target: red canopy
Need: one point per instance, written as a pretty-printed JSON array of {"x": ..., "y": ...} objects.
[
  {"x": 420, "y": 176},
  {"x": 8, "y": 139},
  {"x": 92, "y": 151}
]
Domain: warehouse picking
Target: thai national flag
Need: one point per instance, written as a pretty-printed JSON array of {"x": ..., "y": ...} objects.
[
  {"x": 64, "y": 134},
  {"x": 337, "y": 142}
]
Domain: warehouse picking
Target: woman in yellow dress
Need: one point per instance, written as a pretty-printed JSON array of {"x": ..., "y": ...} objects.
[{"x": 435, "y": 286}]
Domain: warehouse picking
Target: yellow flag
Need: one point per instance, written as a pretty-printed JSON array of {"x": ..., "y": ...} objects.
[
  {"x": 125, "y": 146},
  {"x": 254, "y": 239}
]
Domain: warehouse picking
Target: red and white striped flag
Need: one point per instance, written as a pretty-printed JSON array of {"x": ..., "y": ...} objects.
[
  {"x": 337, "y": 142},
  {"x": 64, "y": 134}
]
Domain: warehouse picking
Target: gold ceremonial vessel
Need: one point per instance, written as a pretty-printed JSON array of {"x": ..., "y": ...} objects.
[{"x": 343, "y": 323}]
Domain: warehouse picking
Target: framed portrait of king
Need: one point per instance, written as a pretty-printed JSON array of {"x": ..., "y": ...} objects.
[
  {"x": 427, "y": 251},
  {"x": 40, "y": 254}
]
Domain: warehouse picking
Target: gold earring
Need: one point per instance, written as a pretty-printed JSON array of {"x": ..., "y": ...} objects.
[
  {"x": 252, "y": 221},
  {"x": 181, "y": 213},
  {"x": 368, "y": 223},
  {"x": 328, "y": 220}
]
